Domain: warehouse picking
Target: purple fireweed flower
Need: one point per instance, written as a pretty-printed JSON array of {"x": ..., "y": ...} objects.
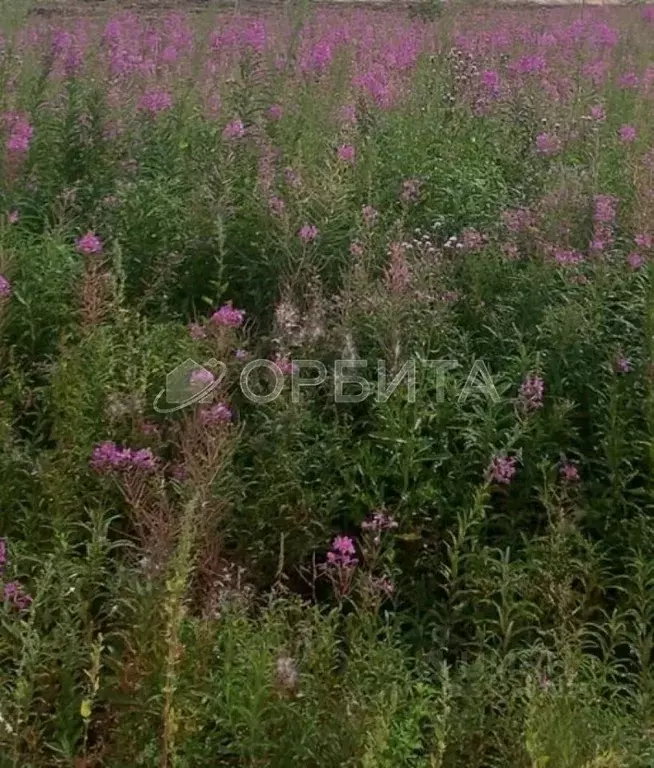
[
  {"x": 20, "y": 132},
  {"x": 234, "y": 130},
  {"x": 89, "y": 243},
  {"x": 201, "y": 378},
  {"x": 356, "y": 249},
  {"x": 346, "y": 153},
  {"x": 627, "y": 134},
  {"x": 5, "y": 287},
  {"x": 569, "y": 472},
  {"x": 643, "y": 241},
  {"x": 598, "y": 113},
  {"x": 342, "y": 552},
  {"x": 629, "y": 80},
  {"x": 308, "y": 233},
  {"x": 275, "y": 112},
  {"x": 547, "y": 144},
  {"x": 142, "y": 459},
  {"x": 156, "y": 101},
  {"x": 169, "y": 54},
  {"x": 622, "y": 364},
  {"x": 490, "y": 80},
  {"x": 3, "y": 554},
  {"x": 606, "y": 208},
  {"x": 13, "y": 217},
  {"x": 602, "y": 238},
  {"x": 502, "y": 469},
  {"x": 531, "y": 392},
  {"x": 241, "y": 354},
  {"x": 217, "y": 414},
  {"x": 15, "y": 595},
  {"x": 567, "y": 258},
  {"x": 635, "y": 261},
  {"x": 107, "y": 457},
  {"x": 228, "y": 316}
]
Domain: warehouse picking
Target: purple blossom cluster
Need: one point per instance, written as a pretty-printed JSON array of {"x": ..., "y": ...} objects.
[
  {"x": 89, "y": 244},
  {"x": 5, "y": 288},
  {"x": 216, "y": 414},
  {"x": 502, "y": 469},
  {"x": 604, "y": 217},
  {"x": 531, "y": 393},
  {"x": 569, "y": 472},
  {"x": 109, "y": 457},
  {"x": 228, "y": 316},
  {"x": 342, "y": 553},
  {"x": 346, "y": 153},
  {"x": 19, "y": 132},
  {"x": 234, "y": 130},
  {"x": 548, "y": 144},
  {"x": 13, "y": 592},
  {"x": 156, "y": 101},
  {"x": 308, "y": 233}
]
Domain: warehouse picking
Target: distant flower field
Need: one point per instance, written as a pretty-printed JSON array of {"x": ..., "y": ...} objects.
[{"x": 327, "y": 389}]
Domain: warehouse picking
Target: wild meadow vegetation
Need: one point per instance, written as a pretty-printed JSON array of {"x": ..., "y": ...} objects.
[{"x": 460, "y": 579}]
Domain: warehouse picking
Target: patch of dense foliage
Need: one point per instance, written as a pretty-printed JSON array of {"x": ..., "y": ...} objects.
[{"x": 386, "y": 562}]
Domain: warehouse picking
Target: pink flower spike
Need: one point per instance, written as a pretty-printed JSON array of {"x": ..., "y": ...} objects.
[
  {"x": 308, "y": 233},
  {"x": 228, "y": 316},
  {"x": 346, "y": 153},
  {"x": 548, "y": 144},
  {"x": 628, "y": 134},
  {"x": 531, "y": 393},
  {"x": 275, "y": 112},
  {"x": 5, "y": 287},
  {"x": 155, "y": 101},
  {"x": 217, "y": 414},
  {"x": 569, "y": 472},
  {"x": 502, "y": 469},
  {"x": 635, "y": 261},
  {"x": 89, "y": 243},
  {"x": 234, "y": 130},
  {"x": 597, "y": 113}
]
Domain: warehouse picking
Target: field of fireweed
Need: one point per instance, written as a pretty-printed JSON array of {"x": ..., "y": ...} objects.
[{"x": 461, "y": 578}]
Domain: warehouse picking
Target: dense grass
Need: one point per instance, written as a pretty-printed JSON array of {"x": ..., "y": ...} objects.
[{"x": 463, "y": 578}]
